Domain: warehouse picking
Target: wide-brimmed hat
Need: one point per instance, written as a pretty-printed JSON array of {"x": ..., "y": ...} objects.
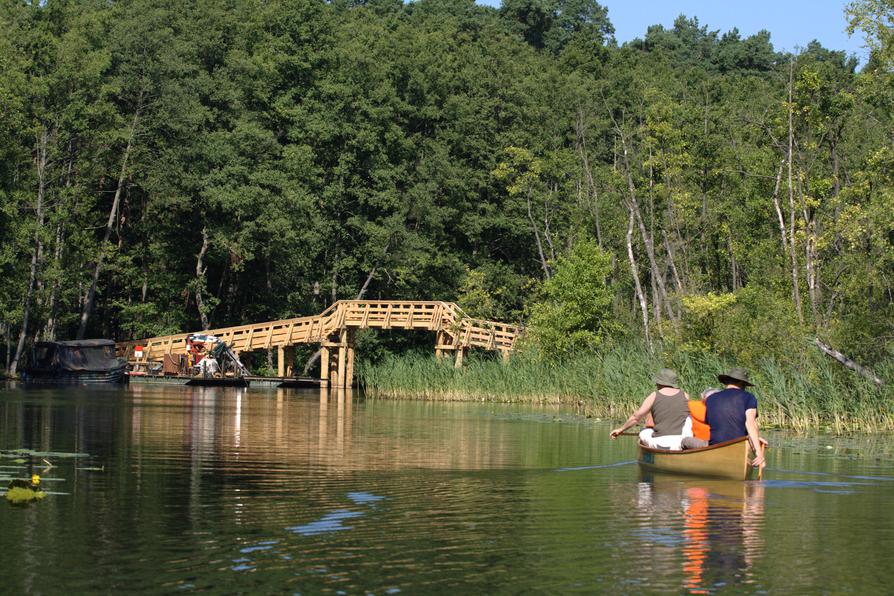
[
  {"x": 737, "y": 375},
  {"x": 668, "y": 378}
]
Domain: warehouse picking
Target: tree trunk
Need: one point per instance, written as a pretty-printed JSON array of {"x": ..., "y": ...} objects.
[
  {"x": 782, "y": 229},
  {"x": 334, "y": 288},
  {"x": 796, "y": 290},
  {"x": 50, "y": 328},
  {"x": 110, "y": 224},
  {"x": 634, "y": 271},
  {"x": 592, "y": 194},
  {"x": 547, "y": 234},
  {"x": 659, "y": 292},
  {"x": 42, "y": 149},
  {"x": 810, "y": 253},
  {"x": 657, "y": 299},
  {"x": 733, "y": 264},
  {"x": 200, "y": 280},
  {"x": 546, "y": 271},
  {"x": 673, "y": 267},
  {"x": 8, "y": 338},
  {"x": 865, "y": 372}
]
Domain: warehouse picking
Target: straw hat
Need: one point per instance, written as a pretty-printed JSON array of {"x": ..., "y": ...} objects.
[
  {"x": 737, "y": 376},
  {"x": 668, "y": 378}
]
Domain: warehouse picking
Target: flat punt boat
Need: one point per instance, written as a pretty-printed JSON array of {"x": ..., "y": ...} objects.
[
  {"x": 730, "y": 459},
  {"x": 81, "y": 362}
]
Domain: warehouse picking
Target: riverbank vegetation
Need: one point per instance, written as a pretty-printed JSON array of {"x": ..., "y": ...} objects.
[
  {"x": 612, "y": 383},
  {"x": 172, "y": 166}
]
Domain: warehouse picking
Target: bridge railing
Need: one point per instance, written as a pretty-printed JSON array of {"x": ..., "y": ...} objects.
[{"x": 437, "y": 316}]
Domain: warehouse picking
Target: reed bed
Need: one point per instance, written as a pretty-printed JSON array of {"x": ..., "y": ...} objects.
[{"x": 815, "y": 394}]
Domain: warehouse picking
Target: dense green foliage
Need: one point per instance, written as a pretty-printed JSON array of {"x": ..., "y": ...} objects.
[
  {"x": 574, "y": 314},
  {"x": 166, "y": 166}
]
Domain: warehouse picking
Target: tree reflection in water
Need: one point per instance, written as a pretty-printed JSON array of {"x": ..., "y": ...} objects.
[{"x": 716, "y": 525}]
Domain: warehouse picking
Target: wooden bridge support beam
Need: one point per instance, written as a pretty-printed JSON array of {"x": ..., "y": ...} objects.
[
  {"x": 333, "y": 366},
  {"x": 324, "y": 365},
  {"x": 285, "y": 361},
  {"x": 280, "y": 362},
  {"x": 290, "y": 362},
  {"x": 460, "y": 352},
  {"x": 440, "y": 340},
  {"x": 349, "y": 365},
  {"x": 342, "y": 357}
]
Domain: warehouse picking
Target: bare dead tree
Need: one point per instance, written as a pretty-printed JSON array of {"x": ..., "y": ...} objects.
[
  {"x": 634, "y": 271},
  {"x": 862, "y": 370},
  {"x": 200, "y": 280}
]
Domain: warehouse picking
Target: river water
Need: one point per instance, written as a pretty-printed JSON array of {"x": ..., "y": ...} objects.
[{"x": 174, "y": 489}]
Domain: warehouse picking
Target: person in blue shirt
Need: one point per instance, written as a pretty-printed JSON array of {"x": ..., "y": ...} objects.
[{"x": 732, "y": 413}]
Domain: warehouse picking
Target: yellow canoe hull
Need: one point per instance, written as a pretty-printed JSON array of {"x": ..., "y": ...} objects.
[{"x": 731, "y": 459}]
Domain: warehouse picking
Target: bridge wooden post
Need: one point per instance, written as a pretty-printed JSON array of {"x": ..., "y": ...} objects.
[
  {"x": 324, "y": 365},
  {"x": 460, "y": 352},
  {"x": 280, "y": 362},
  {"x": 439, "y": 343},
  {"x": 290, "y": 361},
  {"x": 342, "y": 357},
  {"x": 349, "y": 373},
  {"x": 333, "y": 366}
]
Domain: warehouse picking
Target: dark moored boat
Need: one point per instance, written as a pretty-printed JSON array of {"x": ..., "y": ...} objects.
[{"x": 80, "y": 362}]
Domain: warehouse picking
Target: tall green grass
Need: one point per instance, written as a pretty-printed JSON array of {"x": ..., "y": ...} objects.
[{"x": 817, "y": 394}]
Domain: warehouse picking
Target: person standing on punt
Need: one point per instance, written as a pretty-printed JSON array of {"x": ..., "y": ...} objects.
[
  {"x": 669, "y": 408},
  {"x": 732, "y": 413}
]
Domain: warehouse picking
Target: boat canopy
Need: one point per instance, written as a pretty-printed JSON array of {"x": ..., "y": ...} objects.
[{"x": 79, "y": 355}]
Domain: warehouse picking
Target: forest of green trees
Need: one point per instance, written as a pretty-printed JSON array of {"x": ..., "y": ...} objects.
[{"x": 168, "y": 165}]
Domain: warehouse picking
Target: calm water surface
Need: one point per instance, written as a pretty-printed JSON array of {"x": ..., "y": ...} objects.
[{"x": 285, "y": 491}]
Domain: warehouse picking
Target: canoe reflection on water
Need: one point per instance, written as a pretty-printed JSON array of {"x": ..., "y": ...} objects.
[{"x": 720, "y": 537}]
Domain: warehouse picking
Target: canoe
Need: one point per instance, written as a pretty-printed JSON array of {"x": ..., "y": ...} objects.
[{"x": 730, "y": 459}]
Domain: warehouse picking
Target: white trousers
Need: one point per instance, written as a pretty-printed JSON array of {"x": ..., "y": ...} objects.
[{"x": 672, "y": 442}]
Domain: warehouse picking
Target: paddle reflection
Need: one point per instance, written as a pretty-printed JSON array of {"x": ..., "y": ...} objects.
[{"x": 720, "y": 536}]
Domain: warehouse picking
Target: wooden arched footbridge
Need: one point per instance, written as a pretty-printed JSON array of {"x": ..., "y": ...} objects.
[{"x": 334, "y": 329}]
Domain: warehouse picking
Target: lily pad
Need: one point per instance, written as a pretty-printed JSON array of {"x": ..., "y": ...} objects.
[{"x": 18, "y": 495}]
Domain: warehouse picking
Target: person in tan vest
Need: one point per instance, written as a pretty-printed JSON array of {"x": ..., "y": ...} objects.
[{"x": 669, "y": 409}]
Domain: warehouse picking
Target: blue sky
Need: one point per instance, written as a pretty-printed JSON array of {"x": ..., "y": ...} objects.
[{"x": 791, "y": 23}]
